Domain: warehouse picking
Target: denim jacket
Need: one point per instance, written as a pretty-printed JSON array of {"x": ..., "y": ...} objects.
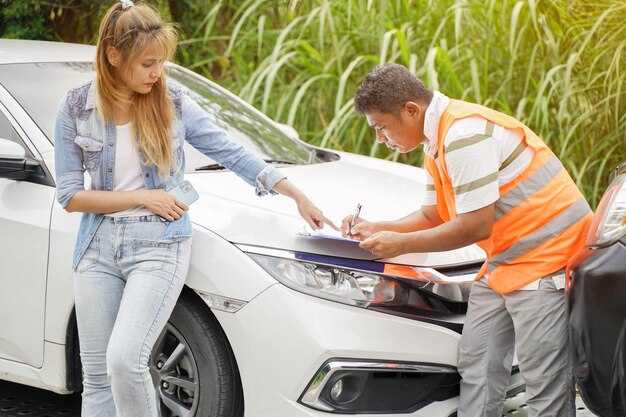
[{"x": 83, "y": 141}]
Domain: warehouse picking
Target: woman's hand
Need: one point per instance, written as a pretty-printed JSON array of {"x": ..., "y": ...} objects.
[
  {"x": 98, "y": 201},
  {"x": 311, "y": 214},
  {"x": 162, "y": 203},
  {"x": 361, "y": 230}
]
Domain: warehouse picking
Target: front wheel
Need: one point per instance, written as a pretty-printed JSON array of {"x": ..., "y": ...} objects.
[{"x": 193, "y": 367}]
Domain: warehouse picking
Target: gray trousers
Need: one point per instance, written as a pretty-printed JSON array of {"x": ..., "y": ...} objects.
[{"x": 536, "y": 323}]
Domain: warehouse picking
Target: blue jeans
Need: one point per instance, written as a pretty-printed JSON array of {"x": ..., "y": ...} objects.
[{"x": 126, "y": 286}]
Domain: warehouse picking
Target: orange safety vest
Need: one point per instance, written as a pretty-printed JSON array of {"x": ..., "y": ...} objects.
[{"x": 541, "y": 218}]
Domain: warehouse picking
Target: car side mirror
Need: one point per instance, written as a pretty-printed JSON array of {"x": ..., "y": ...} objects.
[
  {"x": 11, "y": 150},
  {"x": 13, "y": 162}
]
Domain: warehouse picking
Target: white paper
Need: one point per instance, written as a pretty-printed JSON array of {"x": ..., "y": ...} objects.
[{"x": 326, "y": 233}]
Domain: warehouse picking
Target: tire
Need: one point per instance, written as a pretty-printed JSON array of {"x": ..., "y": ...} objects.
[{"x": 192, "y": 365}]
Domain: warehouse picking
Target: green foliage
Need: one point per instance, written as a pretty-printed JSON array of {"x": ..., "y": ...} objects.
[
  {"x": 556, "y": 66},
  {"x": 24, "y": 19}
]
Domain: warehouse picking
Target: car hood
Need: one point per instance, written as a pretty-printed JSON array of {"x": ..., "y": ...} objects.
[{"x": 386, "y": 190}]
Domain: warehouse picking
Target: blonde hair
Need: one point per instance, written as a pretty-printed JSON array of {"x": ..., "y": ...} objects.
[{"x": 130, "y": 32}]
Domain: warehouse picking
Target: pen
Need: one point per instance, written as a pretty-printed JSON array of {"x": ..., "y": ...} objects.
[{"x": 357, "y": 211}]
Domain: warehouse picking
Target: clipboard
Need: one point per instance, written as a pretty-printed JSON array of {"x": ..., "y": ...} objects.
[{"x": 325, "y": 234}]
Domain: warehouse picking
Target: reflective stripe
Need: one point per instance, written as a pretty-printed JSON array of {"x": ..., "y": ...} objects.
[
  {"x": 516, "y": 152},
  {"x": 471, "y": 186},
  {"x": 527, "y": 188},
  {"x": 489, "y": 128},
  {"x": 559, "y": 224},
  {"x": 472, "y": 140},
  {"x": 462, "y": 143}
]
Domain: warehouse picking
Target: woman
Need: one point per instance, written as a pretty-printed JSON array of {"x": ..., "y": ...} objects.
[{"x": 127, "y": 129}]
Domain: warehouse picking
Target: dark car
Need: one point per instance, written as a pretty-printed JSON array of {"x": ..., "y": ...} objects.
[{"x": 597, "y": 303}]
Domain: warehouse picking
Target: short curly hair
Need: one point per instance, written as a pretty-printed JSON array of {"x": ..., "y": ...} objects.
[{"x": 388, "y": 87}]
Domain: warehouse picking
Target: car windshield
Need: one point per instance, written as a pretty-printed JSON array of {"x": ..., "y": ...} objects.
[{"x": 39, "y": 87}]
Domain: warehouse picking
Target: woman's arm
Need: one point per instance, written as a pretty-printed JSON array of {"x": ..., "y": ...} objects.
[
  {"x": 309, "y": 212},
  {"x": 68, "y": 157},
  {"x": 213, "y": 142},
  {"x": 157, "y": 201}
]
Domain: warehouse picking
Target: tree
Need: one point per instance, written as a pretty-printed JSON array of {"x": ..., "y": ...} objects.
[{"x": 24, "y": 20}]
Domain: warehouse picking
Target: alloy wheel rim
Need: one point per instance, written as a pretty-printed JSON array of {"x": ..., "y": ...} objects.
[{"x": 174, "y": 372}]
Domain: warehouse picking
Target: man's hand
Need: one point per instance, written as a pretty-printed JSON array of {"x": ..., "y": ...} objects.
[
  {"x": 361, "y": 229},
  {"x": 385, "y": 244},
  {"x": 466, "y": 229}
]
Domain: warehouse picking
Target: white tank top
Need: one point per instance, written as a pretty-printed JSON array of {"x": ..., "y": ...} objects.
[{"x": 128, "y": 175}]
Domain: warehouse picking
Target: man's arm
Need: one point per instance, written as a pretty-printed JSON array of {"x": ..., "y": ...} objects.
[
  {"x": 466, "y": 229},
  {"x": 424, "y": 218}
]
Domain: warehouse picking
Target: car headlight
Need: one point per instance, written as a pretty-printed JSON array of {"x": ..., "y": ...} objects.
[
  {"x": 609, "y": 222},
  {"x": 346, "y": 286},
  {"x": 393, "y": 288}
]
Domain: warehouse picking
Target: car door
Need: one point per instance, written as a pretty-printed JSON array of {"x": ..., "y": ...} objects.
[{"x": 25, "y": 209}]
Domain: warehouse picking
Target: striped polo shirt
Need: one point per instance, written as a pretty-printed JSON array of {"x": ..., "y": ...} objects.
[{"x": 480, "y": 157}]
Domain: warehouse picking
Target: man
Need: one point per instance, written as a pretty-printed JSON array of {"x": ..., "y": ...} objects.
[{"x": 491, "y": 181}]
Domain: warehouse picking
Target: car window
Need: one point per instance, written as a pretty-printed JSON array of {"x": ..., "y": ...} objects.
[
  {"x": 39, "y": 88},
  {"x": 241, "y": 122}
]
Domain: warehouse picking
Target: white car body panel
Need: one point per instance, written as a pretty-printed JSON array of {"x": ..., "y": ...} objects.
[
  {"x": 50, "y": 376},
  {"x": 228, "y": 207},
  {"x": 63, "y": 229},
  {"x": 24, "y": 51},
  {"x": 312, "y": 331},
  {"x": 24, "y": 225}
]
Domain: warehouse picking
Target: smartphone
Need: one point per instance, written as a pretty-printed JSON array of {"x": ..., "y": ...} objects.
[{"x": 184, "y": 192}]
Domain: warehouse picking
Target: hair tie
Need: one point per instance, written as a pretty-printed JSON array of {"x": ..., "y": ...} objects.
[{"x": 126, "y": 4}]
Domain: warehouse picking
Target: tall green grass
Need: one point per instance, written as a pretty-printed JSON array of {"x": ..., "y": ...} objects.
[{"x": 557, "y": 66}]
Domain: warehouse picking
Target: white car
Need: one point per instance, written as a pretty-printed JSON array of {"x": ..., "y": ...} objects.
[{"x": 271, "y": 323}]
